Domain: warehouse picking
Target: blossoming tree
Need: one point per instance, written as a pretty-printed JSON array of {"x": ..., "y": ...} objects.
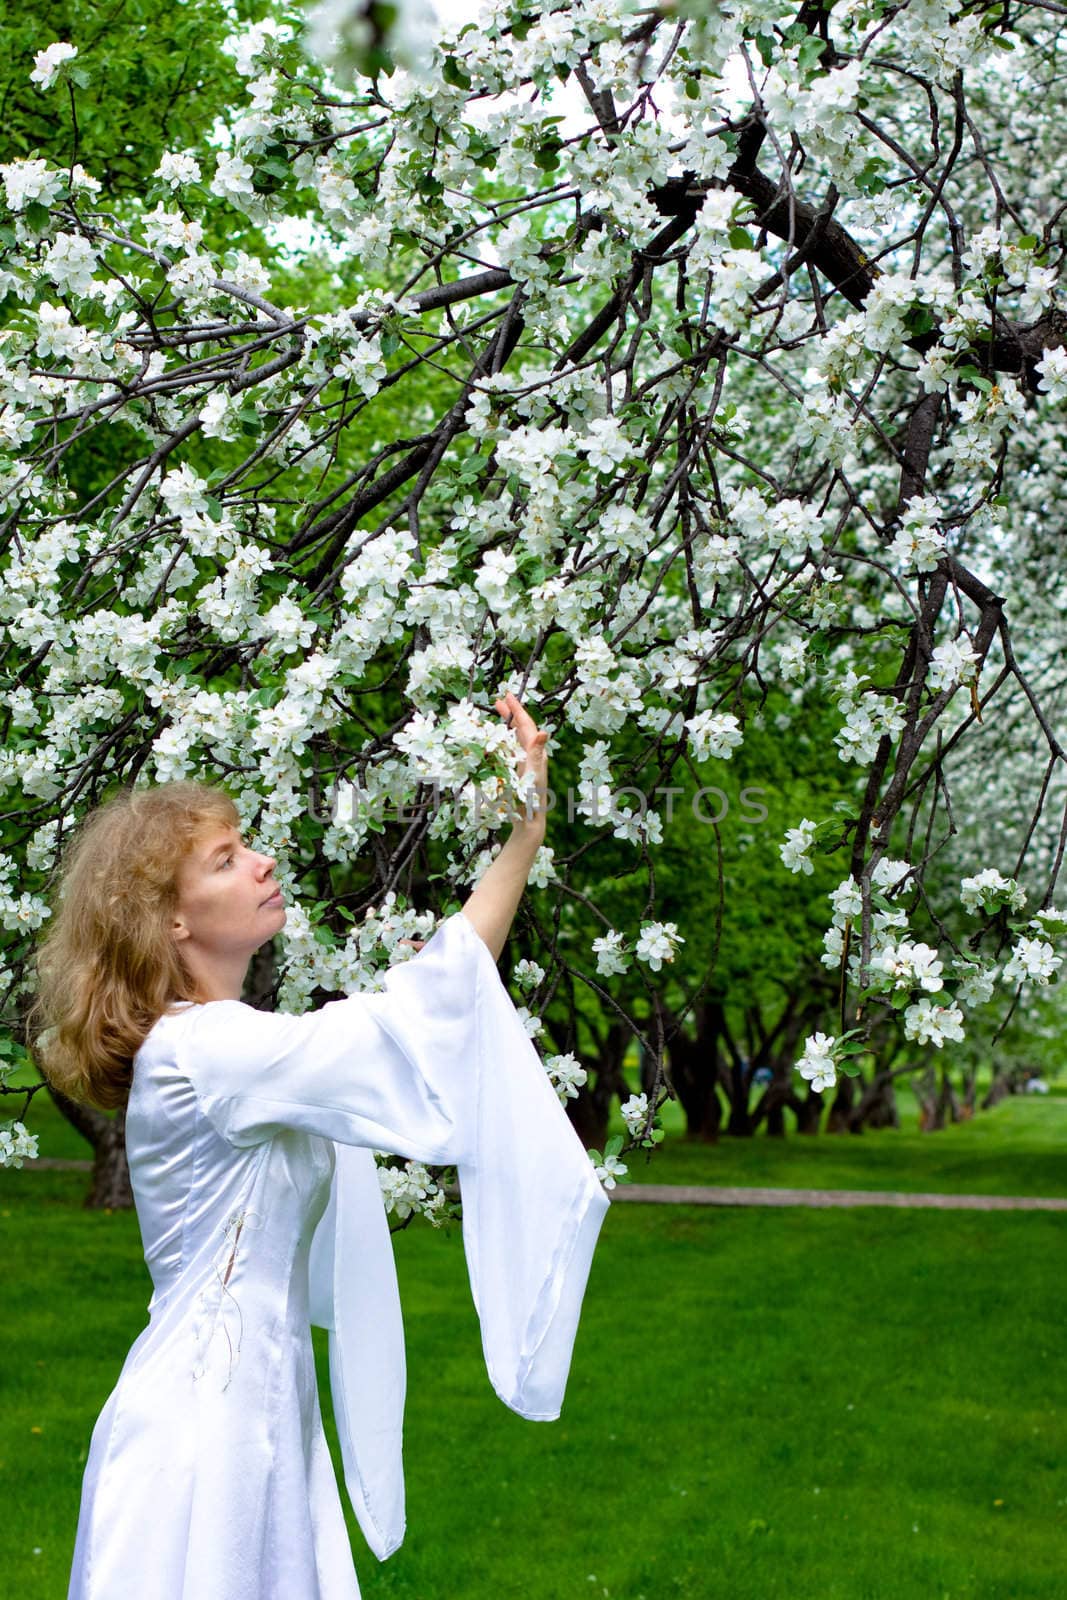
[{"x": 675, "y": 356}]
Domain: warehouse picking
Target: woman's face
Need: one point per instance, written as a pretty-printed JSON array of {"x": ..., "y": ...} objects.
[{"x": 228, "y": 901}]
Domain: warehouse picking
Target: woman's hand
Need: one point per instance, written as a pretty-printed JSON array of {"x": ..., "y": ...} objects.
[
  {"x": 535, "y": 760},
  {"x": 533, "y": 741}
]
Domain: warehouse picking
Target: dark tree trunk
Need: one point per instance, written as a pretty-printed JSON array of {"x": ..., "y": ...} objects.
[
  {"x": 776, "y": 1119},
  {"x": 589, "y": 1112},
  {"x": 693, "y": 1073},
  {"x": 840, "y": 1119},
  {"x": 948, "y": 1101},
  {"x": 809, "y": 1111},
  {"x": 1003, "y": 1084},
  {"x": 925, "y": 1088},
  {"x": 737, "y": 1081},
  {"x": 110, "y": 1187},
  {"x": 878, "y": 1104}
]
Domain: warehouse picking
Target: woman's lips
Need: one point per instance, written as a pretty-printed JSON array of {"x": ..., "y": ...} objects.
[{"x": 275, "y": 899}]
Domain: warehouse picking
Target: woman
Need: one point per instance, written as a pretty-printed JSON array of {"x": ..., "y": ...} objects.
[{"x": 250, "y": 1137}]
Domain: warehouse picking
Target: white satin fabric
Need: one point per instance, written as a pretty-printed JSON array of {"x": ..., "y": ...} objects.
[{"x": 249, "y": 1137}]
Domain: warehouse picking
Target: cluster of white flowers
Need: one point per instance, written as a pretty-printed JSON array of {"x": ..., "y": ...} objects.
[
  {"x": 611, "y": 955},
  {"x": 919, "y": 543},
  {"x": 634, "y": 1112},
  {"x": 910, "y": 966},
  {"x": 795, "y": 852},
  {"x": 47, "y": 63},
  {"x": 657, "y": 942},
  {"x": 928, "y": 1023},
  {"x": 951, "y": 663},
  {"x": 1053, "y": 370},
  {"x": 409, "y": 1190},
  {"x": 177, "y": 168},
  {"x": 816, "y": 1065},
  {"x": 567, "y": 1075},
  {"x": 713, "y": 733},
  {"x": 609, "y": 1170},
  {"x": 16, "y": 1145},
  {"x": 1032, "y": 961},
  {"x": 869, "y": 718},
  {"x": 528, "y": 974},
  {"x": 988, "y": 890}
]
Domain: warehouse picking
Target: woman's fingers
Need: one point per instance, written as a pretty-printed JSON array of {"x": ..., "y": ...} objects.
[{"x": 521, "y": 720}]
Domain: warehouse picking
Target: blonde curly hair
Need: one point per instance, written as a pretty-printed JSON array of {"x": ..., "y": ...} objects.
[{"x": 108, "y": 966}]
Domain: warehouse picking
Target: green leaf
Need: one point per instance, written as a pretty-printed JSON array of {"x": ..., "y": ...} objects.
[
  {"x": 692, "y": 89},
  {"x": 36, "y": 216},
  {"x": 919, "y": 320},
  {"x": 741, "y": 239},
  {"x": 614, "y": 1145},
  {"x": 454, "y": 74},
  {"x": 809, "y": 55}
]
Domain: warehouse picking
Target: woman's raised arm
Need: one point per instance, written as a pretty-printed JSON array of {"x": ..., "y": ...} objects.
[{"x": 492, "y": 905}]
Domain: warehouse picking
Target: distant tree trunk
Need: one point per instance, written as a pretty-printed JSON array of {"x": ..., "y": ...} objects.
[
  {"x": 938, "y": 1102},
  {"x": 736, "y": 1079},
  {"x": 775, "y": 1115},
  {"x": 925, "y": 1090},
  {"x": 694, "y": 1068},
  {"x": 969, "y": 1085},
  {"x": 110, "y": 1188},
  {"x": 809, "y": 1110},
  {"x": 878, "y": 1104},
  {"x": 589, "y": 1112},
  {"x": 840, "y": 1119},
  {"x": 948, "y": 1101},
  {"x": 778, "y": 1098},
  {"x": 1003, "y": 1085}
]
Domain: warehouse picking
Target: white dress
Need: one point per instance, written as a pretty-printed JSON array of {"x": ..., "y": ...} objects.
[{"x": 250, "y": 1138}]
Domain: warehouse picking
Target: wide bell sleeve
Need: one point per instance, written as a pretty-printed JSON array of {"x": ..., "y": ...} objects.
[{"x": 436, "y": 1067}]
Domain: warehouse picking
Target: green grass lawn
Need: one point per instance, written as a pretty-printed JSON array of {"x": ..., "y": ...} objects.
[{"x": 763, "y": 1405}]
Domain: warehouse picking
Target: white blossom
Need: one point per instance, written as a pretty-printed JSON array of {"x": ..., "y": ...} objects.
[
  {"x": 610, "y": 954},
  {"x": 798, "y": 842},
  {"x": 928, "y": 1023},
  {"x": 567, "y": 1075},
  {"x": 16, "y": 1144},
  {"x": 1032, "y": 961},
  {"x": 816, "y": 1064},
  {"x": 657, "y": 943},
  {"x": 1053, "y": 370},
  {"x": 47, "y": 62},
  {"x": 634, "y": 1112},
  {"x": 609, "y": 1170}
]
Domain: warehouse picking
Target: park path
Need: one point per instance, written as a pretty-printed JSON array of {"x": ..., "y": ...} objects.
[
  {"x": 704, "y": 1195},
  {"x": 701, "y": 1195}
]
